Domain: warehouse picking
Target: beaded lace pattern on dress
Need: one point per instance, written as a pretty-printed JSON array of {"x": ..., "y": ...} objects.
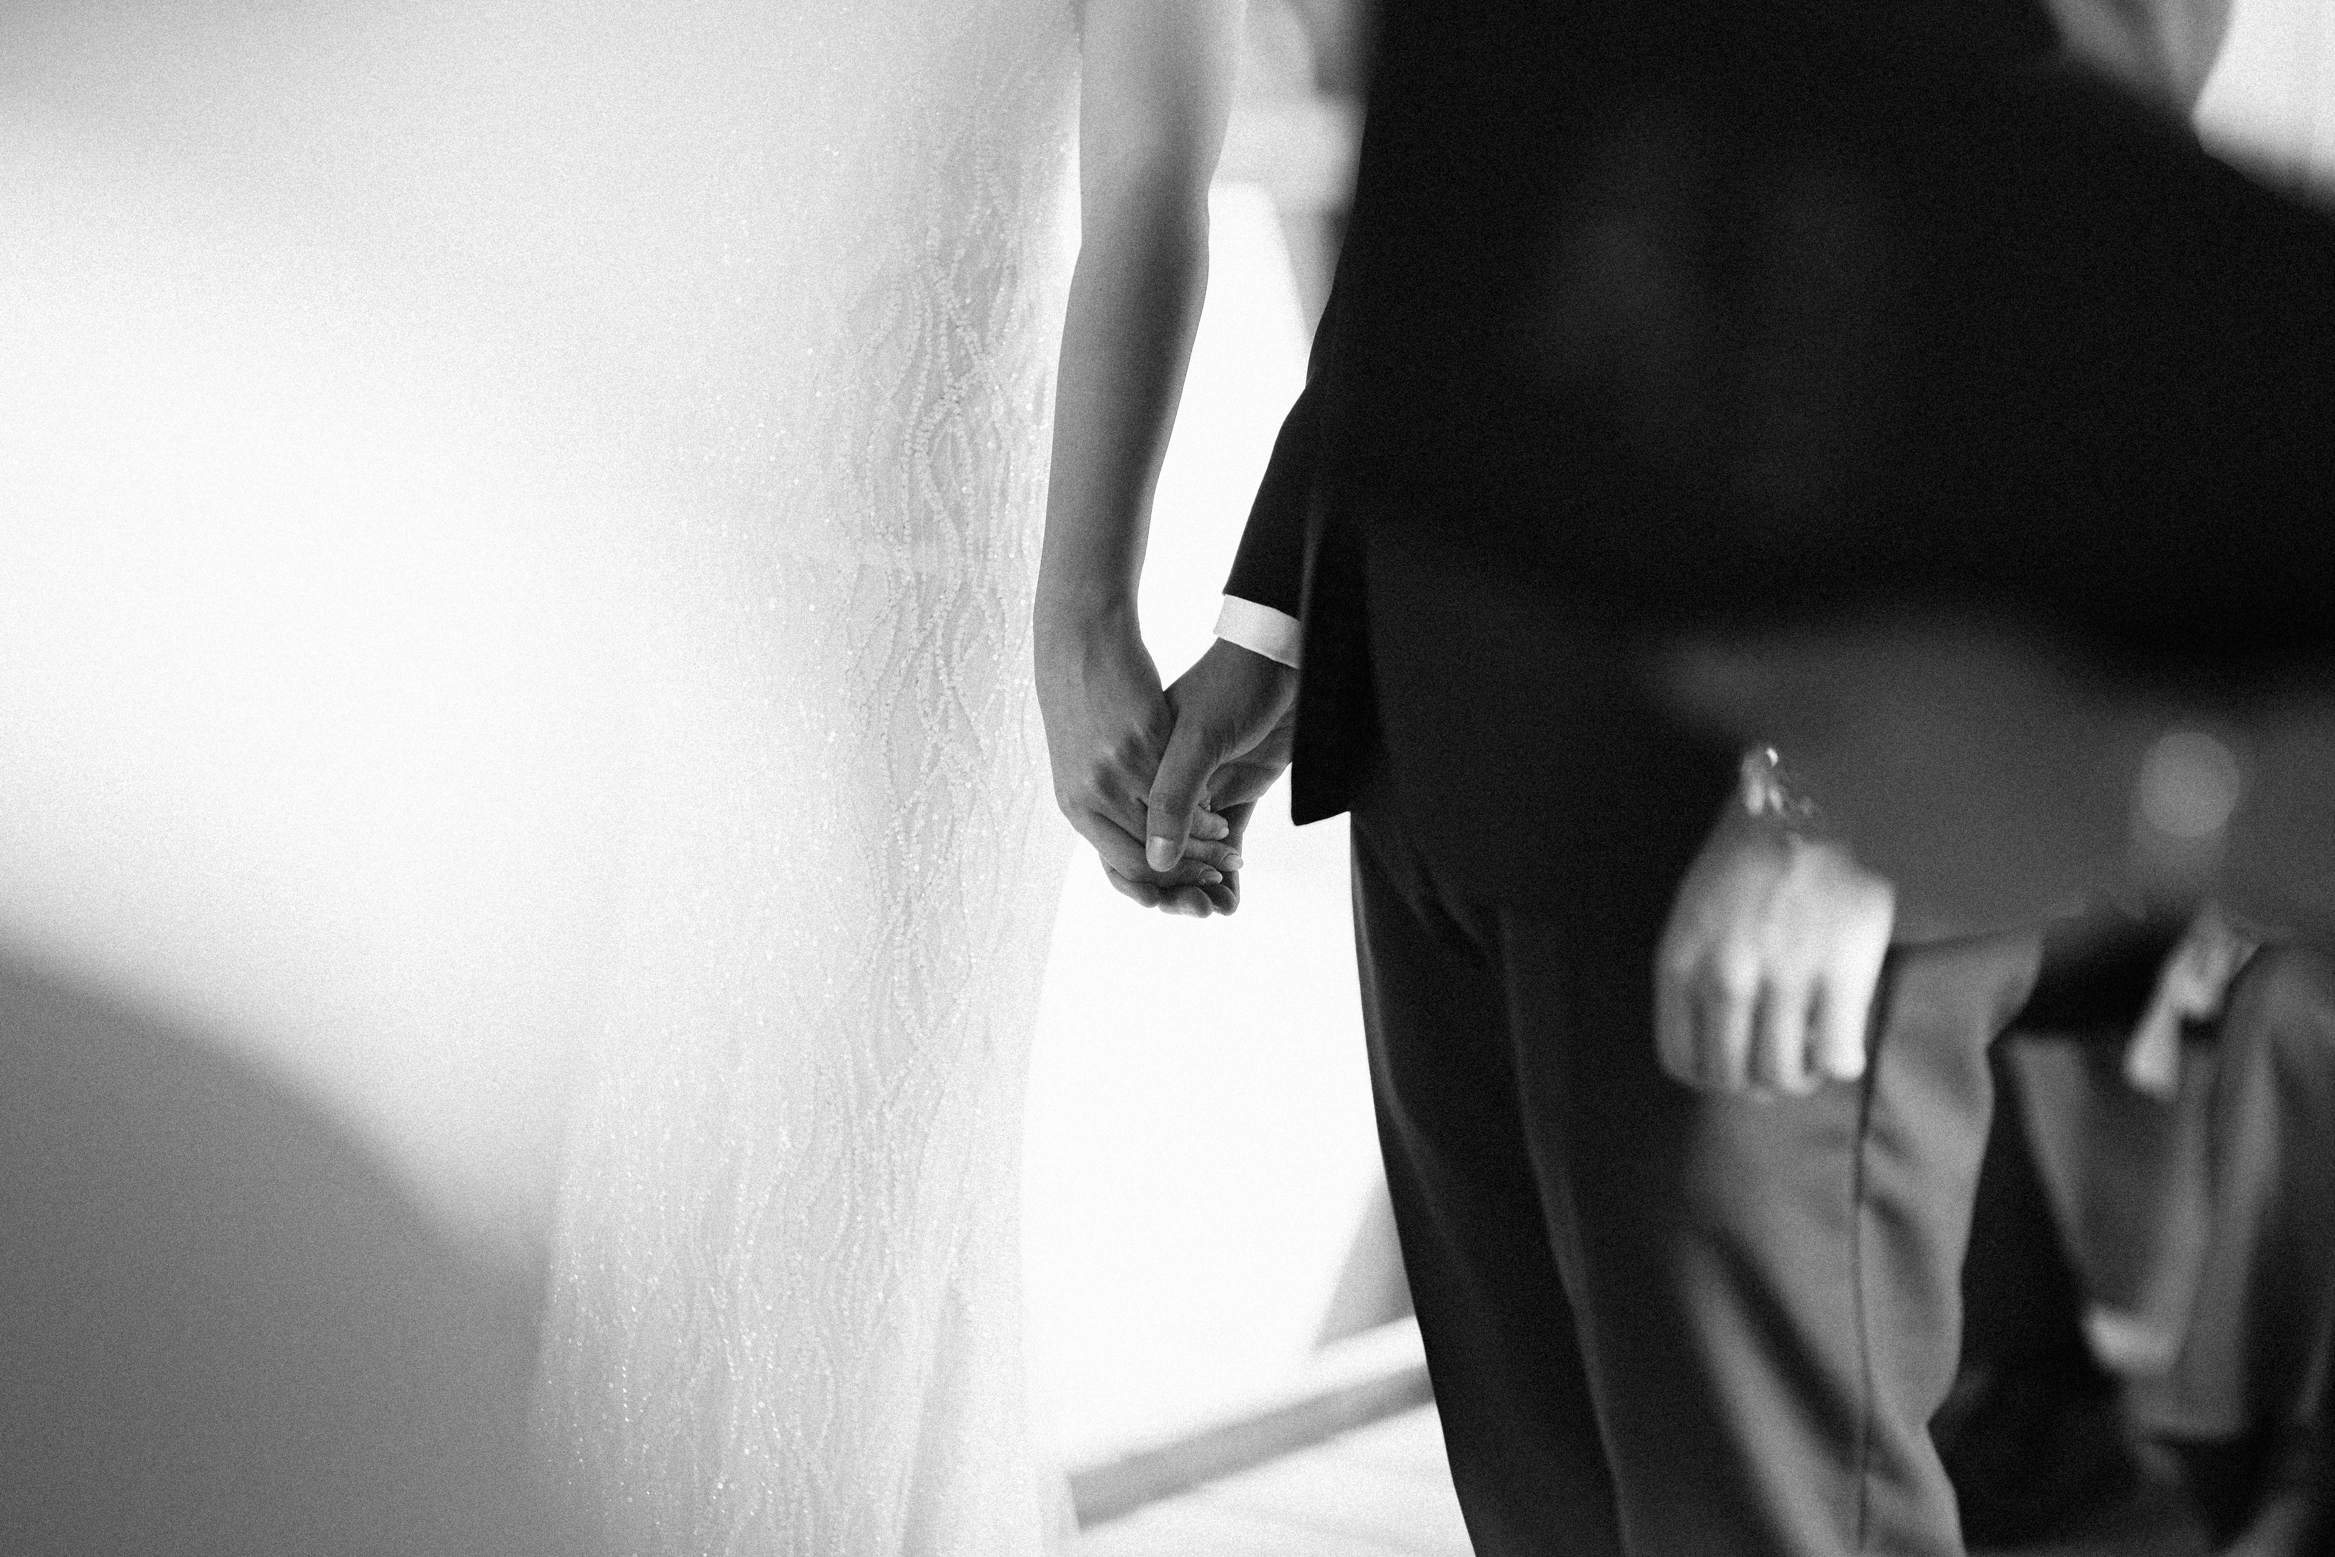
[{"x": 784, "y": 1312}]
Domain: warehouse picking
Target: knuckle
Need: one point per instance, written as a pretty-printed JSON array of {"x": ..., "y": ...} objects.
[{"x": 1732, "y": 973}]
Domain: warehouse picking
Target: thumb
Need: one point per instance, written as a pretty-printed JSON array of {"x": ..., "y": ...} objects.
[{"x": 1184, "y": 767}]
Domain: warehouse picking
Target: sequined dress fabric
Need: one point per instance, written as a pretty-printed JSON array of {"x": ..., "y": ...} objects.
[{"x": 783, "y": 1311}]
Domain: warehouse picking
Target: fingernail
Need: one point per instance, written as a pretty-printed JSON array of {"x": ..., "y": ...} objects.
[
  {"x": 1162, "y": 854},
  {"x": 1233, "y": 861},
  {"x": 1209, "y": 878}
]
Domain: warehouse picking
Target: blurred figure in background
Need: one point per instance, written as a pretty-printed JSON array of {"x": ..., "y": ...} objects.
[{"x": 2151, "y": 1280}]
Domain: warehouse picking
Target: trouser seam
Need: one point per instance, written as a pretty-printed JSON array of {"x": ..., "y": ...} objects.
[{"x": 1862, "y": 1456}]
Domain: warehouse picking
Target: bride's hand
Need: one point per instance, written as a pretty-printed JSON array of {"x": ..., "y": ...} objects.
[
  {"x": 1107, "y": 722},
  {"x": 1195, "y": 886}
]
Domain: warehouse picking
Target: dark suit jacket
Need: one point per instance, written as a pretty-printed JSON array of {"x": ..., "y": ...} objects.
[{"x": 1666, "y": 316}]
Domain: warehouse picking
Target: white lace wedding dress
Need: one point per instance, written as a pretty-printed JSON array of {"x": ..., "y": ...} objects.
[{"x": 783, "y": 1313}]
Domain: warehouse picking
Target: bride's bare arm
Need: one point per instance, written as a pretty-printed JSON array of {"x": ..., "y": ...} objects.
[{"x": 1157, "y": 87}]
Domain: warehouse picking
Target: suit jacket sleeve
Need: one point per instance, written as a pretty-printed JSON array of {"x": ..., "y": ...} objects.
[{"x": 1269, "y": 568}]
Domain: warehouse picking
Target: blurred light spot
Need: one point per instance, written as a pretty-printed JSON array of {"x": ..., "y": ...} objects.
[{"x": 2190, "y": 782}]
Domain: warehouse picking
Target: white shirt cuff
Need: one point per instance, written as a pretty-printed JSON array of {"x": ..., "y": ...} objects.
[{"x": 1259, "y": 629}]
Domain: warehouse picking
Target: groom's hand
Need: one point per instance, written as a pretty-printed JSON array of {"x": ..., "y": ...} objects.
[
  {"x": 1107, "y": 723},
  {"x": 1233, "y": 712},
  {"x": 1765, "y": 977}
]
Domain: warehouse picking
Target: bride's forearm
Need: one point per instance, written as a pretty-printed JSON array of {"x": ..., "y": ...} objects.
[
  {"x": 1134, "y": 307},
  {"x": 1156, "y": 86},
  {"x": 1154, "y": 94}
]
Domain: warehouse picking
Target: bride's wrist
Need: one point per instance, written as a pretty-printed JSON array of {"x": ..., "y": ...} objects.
[{"x": 1069, "y": 614}]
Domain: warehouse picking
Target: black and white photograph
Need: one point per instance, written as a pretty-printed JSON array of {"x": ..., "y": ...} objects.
[{"x": 1167, "y": 778}]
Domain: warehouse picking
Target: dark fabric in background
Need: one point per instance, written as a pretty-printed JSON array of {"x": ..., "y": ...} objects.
[{"x": 1660, "y": 318}]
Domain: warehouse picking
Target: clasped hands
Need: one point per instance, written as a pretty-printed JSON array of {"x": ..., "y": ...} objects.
[{"x": 1162, "y": 781}]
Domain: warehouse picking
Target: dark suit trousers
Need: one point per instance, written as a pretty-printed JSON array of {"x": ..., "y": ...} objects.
[{"x": 1660, "y": 1323}]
